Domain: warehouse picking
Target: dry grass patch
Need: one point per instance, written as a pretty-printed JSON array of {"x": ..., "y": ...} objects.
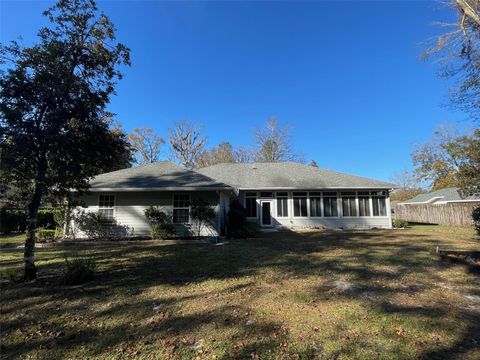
[{"x": 323, "y": 294}]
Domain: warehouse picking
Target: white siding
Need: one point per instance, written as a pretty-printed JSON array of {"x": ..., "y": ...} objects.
[{"x": 130, "y": 207}]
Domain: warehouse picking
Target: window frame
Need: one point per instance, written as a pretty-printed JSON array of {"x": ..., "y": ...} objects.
[
  {"x": 330, "y": 195},
  {"x": 181, "y": 207},
  {"x": 376, "y": 196},
  {"x": 364, "y": 195},
  {"x": 350, "y": 195},
  {"x": 250, "y": 195},
  {"x": 282, "y": 196},
  {"x": 296, "y": 195},
  {"x": 111, "y": 203},
  {"x": 317, "y": 196}
]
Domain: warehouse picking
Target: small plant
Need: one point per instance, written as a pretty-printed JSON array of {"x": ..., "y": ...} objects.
[
  {"x": 46, "y": 235},
  {"x": 162, "y": 231},
  {"x": 156, "y": 216},
  {"x": 400, "y": 223},
  {"x": 79, "y": 270},
  {"x": 202, "y": 214},
  {"x": 476, "y": 219}
]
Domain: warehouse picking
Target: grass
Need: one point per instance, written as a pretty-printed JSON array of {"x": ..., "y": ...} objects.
[
  {"x": 316, "y": 294},
  {"x": 12, "y": 240}
]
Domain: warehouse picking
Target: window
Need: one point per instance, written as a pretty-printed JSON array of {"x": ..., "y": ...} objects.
[
  {"x": 181, "y": 208},
  {"x": 330, "y": 204},
  {"x": 379, "y": 202},
  {"x": 266, "y": 194},
  {"x": 349, "y": 208},
  {"x": 300, "y": 204},
  {"x": 364, "y": 203},
  {"x": 315, "y": 204},
  {"x": 251, "y": 204},
  {"x": 282, "y": 204},
  {"x": 106, "y": 207}
]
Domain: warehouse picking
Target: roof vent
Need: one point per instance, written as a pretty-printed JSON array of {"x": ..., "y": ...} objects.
[{"x": 254, "y": 167}]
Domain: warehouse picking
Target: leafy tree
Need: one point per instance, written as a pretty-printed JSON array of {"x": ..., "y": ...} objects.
[
  {"x": 55, "y": 130},
  {"x": 146, "y": 144},
  {"x": 450, "y": 160},
  {"x": 202, "y": 214},
  {"x": 274, "y": 143},
  {"x": 221, "y": 154},
  {"x": 458, "y": 51},
  {"x": 187, "y": 143}
]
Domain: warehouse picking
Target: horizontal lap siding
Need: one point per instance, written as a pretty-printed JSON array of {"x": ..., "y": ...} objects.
[
  {"x": 130, "y": 206},
  {"x": 345, "y": 223}
]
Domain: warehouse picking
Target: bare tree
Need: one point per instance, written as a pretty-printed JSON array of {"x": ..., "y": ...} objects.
[
  {"x": 146, "y": 144},
  {"x": 187, "y": 143},
  {"x": 409, "y": 186},
  {"x": 223, "y": 153},
  {"x": 274, "y": 143},
  {"x": 243, "y": 154}
]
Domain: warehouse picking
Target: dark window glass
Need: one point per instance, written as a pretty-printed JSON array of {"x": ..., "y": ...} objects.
[
  {"x": 330, "y": 206},
  {"x": 300, "y": 206},
  {"x": 251, "y": 207},
  {"x": 364, "y": 205},
  {"x": 251, "y": 194},
  {"x": 315, "y": 207},
  {"x": 348, "y": 206},
  {"x": 266, "y": 194},
  {"x": 106, "y": 207},
  {"x": 282, "y": 207},
  {"x": 300, "y": 193},
  {"x": 379, "y": 206},
  {"x": 181, "y": 208},
  {"x": 282, "y": 194}
]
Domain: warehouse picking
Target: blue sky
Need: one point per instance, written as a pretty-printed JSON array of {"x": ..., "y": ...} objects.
[{"x": 347, "y": 76}]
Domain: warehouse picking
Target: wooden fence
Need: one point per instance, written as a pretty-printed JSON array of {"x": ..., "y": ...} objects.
[{"x": 451, "y": 214}]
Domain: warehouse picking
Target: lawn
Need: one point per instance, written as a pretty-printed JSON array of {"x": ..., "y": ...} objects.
[{"x": 376, "y": 294}]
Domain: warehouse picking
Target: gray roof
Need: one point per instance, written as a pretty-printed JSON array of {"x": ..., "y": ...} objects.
[
  {"x": 287, "y": 175},
  {"x": 160, "y": 175},
  {"x": 448, "y": 194}
]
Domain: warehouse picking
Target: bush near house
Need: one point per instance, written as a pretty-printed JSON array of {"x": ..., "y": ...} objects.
[
  {"x": 400, "y": 223},
  {"x": 162, "y": 231},
  {"x": 476, "y": 219},
  {"x": 161, "y": 222},
  {"x": 202, "y": 215},
  {"x": 237, "y": 225}
]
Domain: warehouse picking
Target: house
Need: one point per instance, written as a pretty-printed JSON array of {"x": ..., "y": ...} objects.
[
  {"x": 281, "y": 194},
  {"x": 442, "y": 207}
]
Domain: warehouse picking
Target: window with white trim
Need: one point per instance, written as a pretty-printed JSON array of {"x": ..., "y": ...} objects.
[
  {"x": 315, "y": 204},
  {"x": 282, "y": 204},
  {"x": 106, "y": 207},
  {"x": 349, "y": 207},
  {"x": 251, "y": 204},
  {"x": 364, "y": 203},
  {"x": 330, "y": 204},
  {"x": 300, "y": 204},
  {"x": 181, "y": 208},
  {"x": 379, "y": 203}
]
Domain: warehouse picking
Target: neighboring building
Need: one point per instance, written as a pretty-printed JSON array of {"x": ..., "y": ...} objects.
[
  {"x": 274, "y": 194},
  {"x": 443, "y": 207}
]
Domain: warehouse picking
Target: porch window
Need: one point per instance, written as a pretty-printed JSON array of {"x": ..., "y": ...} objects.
[
  {"x": 330, "y": 204},
  {"x": 251, "y": 204},
  {"x": 349, "y": 208},
  {"x": 300, "y": 204},
  {"x": 282, "y": 204},
  {"x": 379, "y": 202},
  {"x": 181, "y": 208},
  {"x": 106, "y": 207},
  {"x": 315, "y": 204},
  {"x": 364, "y": 203}
]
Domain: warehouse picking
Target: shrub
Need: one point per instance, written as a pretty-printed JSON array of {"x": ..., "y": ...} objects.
[
  {"x": 12, "y": 220},
  {"x": 79, "y": 270},
  {"x": 46, "y": 219},
  {"x": 400, "y": 223},
  {"x": 162, "y": 231},
  {"x": 202, "y": 214},
  {"x": 94, "y": 226},
  {"x": 476, "y": 219},
  {"x": 46, "y": 235},
  {"x": 237, "y": 224},
  {"x": 156, "y": 216}
]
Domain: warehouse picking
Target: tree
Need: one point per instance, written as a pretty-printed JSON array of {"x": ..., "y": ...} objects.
[
  {"x": 52, "y": 108},
  {"x": 274, "y": 143},
  {"x": 221, "y": 154},
  {"x": 202, "y": 214},
  {"x": 146, "y": 144},
  {"x": 187, "y": 143},
  {"x": 243, "y": 154},
  {"x": 409, "y": 186},
  {"x": 450, "y": 160},
  {"x": 458, "y": 52}
]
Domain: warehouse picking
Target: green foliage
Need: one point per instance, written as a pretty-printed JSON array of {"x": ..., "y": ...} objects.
[
  {"x": 156, "y": 216},
  {"x": 162, "y": 231},
  {"x": 400, "y": 223},
  {"x": 47, "y": 235},
  {"x": 12, "y": 220},
  {"x": 202, "y": 214},
  {"x": 95, "y": 226},
  {"x": 237, "y": 224},
  {"x": 476, "y": 219},
  {"x": 79, "y": 270}
]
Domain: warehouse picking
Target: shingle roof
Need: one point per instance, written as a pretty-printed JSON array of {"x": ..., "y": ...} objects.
[
  {"x": 159, "y": 175},
  {"x": 448, "y": 194},
  {"x": 288, "y": 175}
]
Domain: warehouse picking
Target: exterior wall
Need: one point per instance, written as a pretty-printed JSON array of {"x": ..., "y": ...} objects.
[
  {"x": 354, "y": 222},
  {"x": 130, "y": 206}
]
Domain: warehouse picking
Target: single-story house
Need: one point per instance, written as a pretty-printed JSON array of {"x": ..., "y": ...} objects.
[
  {"x": 442, "y": 207},
  {"x": 280, "y": 194}
]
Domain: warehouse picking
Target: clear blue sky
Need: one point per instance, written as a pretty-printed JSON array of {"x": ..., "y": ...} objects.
[{"x": 346, "y": 75}]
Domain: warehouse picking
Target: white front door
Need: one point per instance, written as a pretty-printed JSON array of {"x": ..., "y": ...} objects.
[{"x": 266, "y": 212}]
